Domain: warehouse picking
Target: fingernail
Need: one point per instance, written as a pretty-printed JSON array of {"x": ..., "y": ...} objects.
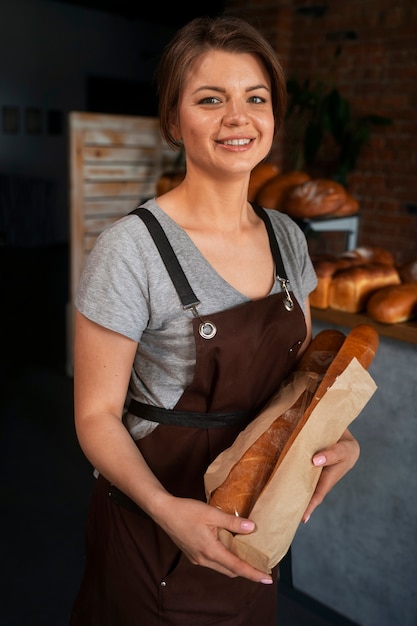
[
  {"x": 306, "y": 519},
  {"x": 266, "y": 581},
  {"x": 247, "y": 525},
  {"x": 319, "y": 460}
]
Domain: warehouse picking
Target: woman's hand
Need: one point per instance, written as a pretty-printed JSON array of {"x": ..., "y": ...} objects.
[
  {"x": 336, "y": 462},
  {"x": 194, "y": 526}
]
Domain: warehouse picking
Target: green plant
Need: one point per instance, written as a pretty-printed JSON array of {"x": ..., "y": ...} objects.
[{"x": 319, "y": 113}]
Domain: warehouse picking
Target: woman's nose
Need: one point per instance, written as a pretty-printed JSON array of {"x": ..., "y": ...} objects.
[{"x": 235, "y": 114}]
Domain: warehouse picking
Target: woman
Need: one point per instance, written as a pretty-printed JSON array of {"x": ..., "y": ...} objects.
[{"x": 172, "y": 360}]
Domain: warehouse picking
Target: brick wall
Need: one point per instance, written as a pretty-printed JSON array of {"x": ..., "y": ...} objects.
[{"x": 377, "y": 73}]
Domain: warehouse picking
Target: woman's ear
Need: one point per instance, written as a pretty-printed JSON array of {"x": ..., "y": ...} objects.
[{"x": 175, "y": 129}]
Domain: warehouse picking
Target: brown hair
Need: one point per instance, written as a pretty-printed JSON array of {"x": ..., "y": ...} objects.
[{"x": 201, "y": 35}]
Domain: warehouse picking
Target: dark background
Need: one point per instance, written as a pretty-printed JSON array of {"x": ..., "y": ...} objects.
[{"x": 170, "y": 14}]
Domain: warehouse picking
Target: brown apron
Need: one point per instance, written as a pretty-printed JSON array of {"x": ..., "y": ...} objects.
[{"x": 135, "y": 575}]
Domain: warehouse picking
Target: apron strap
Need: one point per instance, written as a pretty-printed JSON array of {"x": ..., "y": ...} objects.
[
  {"x": 178, "y": 277},
  {"x": 190, "y": 419},
  {"x": 276, "y": 253},
  {"x": 183, "y": 287}
]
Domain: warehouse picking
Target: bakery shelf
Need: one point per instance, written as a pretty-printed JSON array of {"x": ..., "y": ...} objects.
[
  {"x": 407, "y": 331},
  {"x": 348, "y": 224}
]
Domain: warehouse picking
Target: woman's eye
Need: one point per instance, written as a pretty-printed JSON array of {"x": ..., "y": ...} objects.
[
  {"x": 209, "y": 100},
  {"x": 257, "y": 99}
]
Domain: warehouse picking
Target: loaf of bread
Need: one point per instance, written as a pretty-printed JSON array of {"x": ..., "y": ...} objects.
[
  {"x": 319, "y": 297},
  {"x": 351, "y": 288},
  {"x": 259, "y": 176},
  {"x": 325, "y": 269},
  {"x": 328, "y": 354},
  {"x": 317, "y": 197},
  {"x": 393, "y": 304},
  {"x": 349, "y": 207},
  {"x": 272, "y": 193},
  {"x": 370, "y": 254}
]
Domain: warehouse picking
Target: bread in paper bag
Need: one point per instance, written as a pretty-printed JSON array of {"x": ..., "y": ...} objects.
[{"x": 290, "y": 480}]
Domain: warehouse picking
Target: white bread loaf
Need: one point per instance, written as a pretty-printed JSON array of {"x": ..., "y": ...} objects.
[
  {"x": 351, "y": 288},
  {"x": 325, "y": 269}
]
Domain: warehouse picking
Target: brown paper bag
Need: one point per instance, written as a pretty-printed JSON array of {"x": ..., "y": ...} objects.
[{"x": 280, "y": 506}]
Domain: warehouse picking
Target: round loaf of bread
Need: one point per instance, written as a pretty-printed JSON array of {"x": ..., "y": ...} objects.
[
  {"x": 259, "y": 176},
  {"x": 393, "y": 304},
  {"x": 314, "y": 198},
  {"x": 271, "y": 194}
]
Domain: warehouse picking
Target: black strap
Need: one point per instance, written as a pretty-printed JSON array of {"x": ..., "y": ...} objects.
[
  {"x": 191, "y": 419},
  {"x": 276, "y": 253},
  {"x": 183, "y": 287}
]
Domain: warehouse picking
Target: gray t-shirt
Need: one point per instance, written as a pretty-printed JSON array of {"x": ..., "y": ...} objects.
[{"x": 125, "y": 287}]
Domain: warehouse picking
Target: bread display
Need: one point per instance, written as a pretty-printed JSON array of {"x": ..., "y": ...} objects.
[
  {"x": 351, "y": 288},
  {"x": 394, "y": 304},
  {"x": 328, "y": 355}
]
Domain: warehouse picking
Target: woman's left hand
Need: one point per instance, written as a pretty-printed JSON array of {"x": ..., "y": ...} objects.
[{"x": 336, "y": 461}]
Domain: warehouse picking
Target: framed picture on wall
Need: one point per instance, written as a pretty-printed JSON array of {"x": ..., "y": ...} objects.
[
  {"x": 33, "y": 121},
  {"x": 54, "y": 122},
  {"x": 10, "y": 119}
]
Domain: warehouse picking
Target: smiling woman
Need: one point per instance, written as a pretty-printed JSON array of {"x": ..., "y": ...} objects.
[{"x": 183, "y": 332}]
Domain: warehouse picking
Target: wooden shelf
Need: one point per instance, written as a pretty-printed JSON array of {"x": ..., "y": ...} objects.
[{"x": 407, "y": 331}]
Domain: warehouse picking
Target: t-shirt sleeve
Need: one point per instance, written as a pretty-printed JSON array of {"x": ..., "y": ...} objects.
[{"x": 113, "y": 290}]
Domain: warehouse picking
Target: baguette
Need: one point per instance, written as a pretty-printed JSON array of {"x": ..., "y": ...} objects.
[
  {"x": 328, "y": 355},
  {"x": 241, "y": 488}
]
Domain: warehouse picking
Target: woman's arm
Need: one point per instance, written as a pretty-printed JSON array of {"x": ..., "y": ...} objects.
[{"x": 102, "y": 367}]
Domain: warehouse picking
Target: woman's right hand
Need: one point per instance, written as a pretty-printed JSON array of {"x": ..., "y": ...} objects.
[{"x": 193, "y": 526}]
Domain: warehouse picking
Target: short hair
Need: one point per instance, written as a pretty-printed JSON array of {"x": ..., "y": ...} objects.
[{"x": 231, "y": 34}]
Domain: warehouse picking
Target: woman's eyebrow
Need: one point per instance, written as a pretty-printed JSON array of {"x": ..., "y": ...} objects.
[{"x": 221, "y": 90}]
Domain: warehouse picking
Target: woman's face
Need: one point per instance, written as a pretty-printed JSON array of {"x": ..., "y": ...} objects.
[{"x": 225, "y": 116}]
